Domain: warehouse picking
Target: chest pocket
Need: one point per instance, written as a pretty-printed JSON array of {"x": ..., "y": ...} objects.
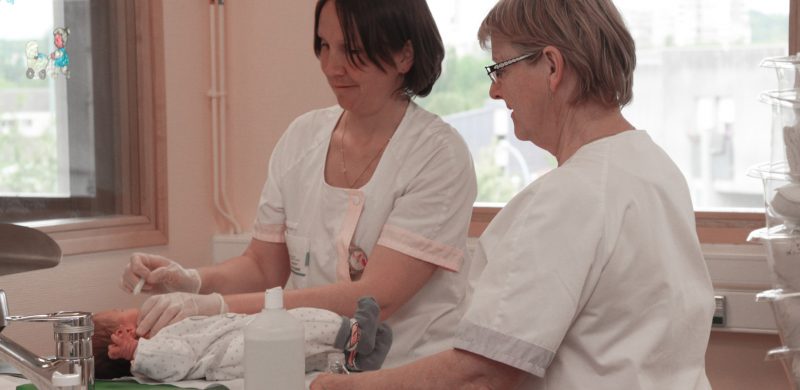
[{"x": 299, "y": 259}]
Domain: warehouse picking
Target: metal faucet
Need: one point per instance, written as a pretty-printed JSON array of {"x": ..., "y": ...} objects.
[{"x": 72, "y": 331}]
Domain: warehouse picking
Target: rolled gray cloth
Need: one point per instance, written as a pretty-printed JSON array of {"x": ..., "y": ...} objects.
[
  {"x": 367, "y": 316},
  {"x": 374, "y": 360}
]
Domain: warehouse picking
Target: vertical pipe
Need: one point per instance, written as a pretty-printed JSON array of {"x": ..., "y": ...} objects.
[
  {"x": 212, "y": 93},
  {"x": 217, "y": 146},
  {"x": 794, "y": 27},
  {"x": 223, "y": 119}
]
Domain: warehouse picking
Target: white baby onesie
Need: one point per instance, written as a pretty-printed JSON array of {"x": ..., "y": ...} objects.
[{"x": 213, "y": 347}]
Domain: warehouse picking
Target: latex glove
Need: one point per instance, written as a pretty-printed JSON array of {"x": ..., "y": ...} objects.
[
  {"x": 159, "y": 311},
  {"x": 161, "y": 275}
]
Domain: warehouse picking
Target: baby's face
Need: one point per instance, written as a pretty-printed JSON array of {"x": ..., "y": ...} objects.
[
  {"x": 123, "y": 343},
  {"x": 124, "y": 340}
]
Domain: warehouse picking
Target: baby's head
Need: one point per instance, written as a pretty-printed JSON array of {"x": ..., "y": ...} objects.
[{"x": 114, "y": 342}]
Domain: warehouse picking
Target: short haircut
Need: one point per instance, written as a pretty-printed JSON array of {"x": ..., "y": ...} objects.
[
  {"x": 104, "y": 366},
  {"x": 382, "y": 27},
  {"x": 590, "y": 34}
]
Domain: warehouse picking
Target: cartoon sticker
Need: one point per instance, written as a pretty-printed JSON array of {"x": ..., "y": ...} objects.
[
  {"x": 60, "y": 55},
  {"x": 37, "y": 62},
  {"x": 39, "y": 65}
]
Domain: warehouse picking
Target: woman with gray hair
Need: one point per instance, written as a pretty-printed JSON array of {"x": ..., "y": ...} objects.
[{"x": 594, "y": 278}]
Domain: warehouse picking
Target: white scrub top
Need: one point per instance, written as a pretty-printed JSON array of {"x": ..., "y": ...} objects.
[
  {"x": 594, "y": 277},
  {"x": 418, "y": 202}
]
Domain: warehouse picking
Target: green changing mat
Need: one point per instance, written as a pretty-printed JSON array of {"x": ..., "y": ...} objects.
[{"x": 126, "y": 385}]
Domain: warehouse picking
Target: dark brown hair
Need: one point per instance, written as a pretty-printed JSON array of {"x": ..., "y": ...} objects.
[
  {"x": 590, "y": 34},
  {"x": 104, "y": 366},
  {"x": 383, "y": 27}
]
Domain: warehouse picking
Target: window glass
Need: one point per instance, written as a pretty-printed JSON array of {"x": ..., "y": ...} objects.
[
  {"x": 696, "y": 90},
  {"x": 57, "y": 140},
  {"x": 503, "y": 164}
]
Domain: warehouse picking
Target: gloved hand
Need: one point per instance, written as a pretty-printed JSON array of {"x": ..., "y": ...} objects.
[
  {"x": 161, "y": 275},
  {"x": 159, "y": 311}
]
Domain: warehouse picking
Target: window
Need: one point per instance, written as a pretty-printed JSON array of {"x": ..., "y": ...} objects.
[
  {"x": 80, "y": 119},
  {"x": 503, "y": 164},
  {"x": 696, "y": 91}
]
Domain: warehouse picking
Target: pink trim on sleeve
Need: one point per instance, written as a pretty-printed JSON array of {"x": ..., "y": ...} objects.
[
  {"x": 269, "y": 233},
  {"x": 421, "y": 248}
]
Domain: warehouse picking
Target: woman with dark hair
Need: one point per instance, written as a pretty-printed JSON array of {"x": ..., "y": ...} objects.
[
  {"x": 372, "y": 196},
  {"x": 594, "y": 278}
]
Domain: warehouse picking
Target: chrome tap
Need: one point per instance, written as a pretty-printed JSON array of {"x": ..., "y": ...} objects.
[{"x": 73, "y": 360}]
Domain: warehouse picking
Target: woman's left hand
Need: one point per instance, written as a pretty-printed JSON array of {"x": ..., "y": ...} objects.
[{"x": 331, "y": 382}]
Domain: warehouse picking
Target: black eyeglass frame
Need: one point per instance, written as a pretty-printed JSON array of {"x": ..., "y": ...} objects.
[{"x": 492, "y": 70}]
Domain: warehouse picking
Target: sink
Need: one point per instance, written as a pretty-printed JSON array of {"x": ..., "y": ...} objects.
[{"x": 23, "y": 249}]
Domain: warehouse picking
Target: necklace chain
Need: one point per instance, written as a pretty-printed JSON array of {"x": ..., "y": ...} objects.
[{"x": 344, "y": 163}]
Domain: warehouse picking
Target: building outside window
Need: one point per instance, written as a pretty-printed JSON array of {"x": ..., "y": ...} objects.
[{"x": 696, "y": 90}]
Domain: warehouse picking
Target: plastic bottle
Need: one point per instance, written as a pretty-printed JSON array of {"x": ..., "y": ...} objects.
[
  {"x": 336, "y": 363},
  {"x": 273, "y": 348},
  {"x": 66, "y": 381}
]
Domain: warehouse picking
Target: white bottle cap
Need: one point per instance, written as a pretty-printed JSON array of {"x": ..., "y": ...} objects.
[
  {"x": 274, "y": 298},
  {"x": 66, "y": 380}
]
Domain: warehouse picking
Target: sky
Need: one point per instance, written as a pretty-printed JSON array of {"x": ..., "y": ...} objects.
[
  {"x": 31, "y": 19},
  {"x": 458, "y": 20},
  {"x": 770, "y": 6},
  {"x": 763, "y": 6},
  {"x": 25, "y": 19}
]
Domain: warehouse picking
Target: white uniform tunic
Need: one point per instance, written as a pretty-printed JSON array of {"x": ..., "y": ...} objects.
[
  {"x": 418, "y": 202},
  {"x": 594, "y": 277}
]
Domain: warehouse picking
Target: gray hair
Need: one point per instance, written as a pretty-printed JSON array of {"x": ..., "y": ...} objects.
[{"x": 590, "y": 34}]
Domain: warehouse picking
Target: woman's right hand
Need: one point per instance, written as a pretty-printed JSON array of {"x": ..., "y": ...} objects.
[
  {"x": 161, "y": 275},
  {"x": 161, "y": 310}
]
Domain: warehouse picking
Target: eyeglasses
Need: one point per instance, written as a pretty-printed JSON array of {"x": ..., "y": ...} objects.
[{"x": 494, "y": 70}]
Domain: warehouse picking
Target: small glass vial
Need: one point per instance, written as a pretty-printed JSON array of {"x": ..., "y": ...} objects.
[{"x": 336, "y": 363}]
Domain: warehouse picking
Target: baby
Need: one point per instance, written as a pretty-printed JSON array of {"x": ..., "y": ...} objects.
[{"x": 213, "y": 347}]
